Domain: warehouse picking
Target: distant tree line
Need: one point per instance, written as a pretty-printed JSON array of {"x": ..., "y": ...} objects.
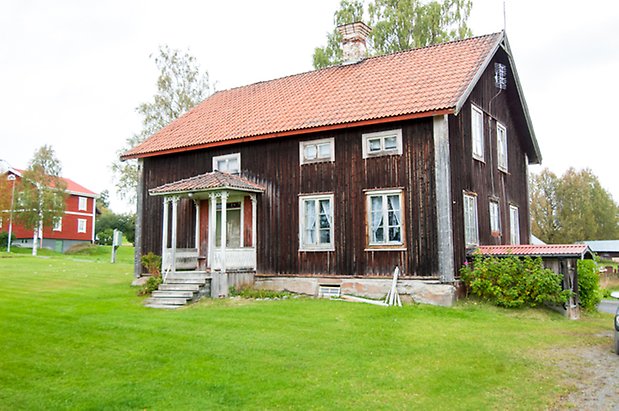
[{"x": 572, "y": 207}]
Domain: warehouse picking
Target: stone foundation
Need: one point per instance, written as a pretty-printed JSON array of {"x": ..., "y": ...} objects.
[{"x": 419, "y": 291}]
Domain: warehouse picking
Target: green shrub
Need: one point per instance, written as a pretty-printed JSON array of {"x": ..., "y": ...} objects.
[
  {"x": 152, "y": 263},
  {"x": 151, "y": 285},
  {"x": 589, "y": 295},
  {"x": 105, "y": 237},
  {"x": 249, "y": 292},
  {"x": 513, "y": 282},
  {"x": 4, "y": 237}
]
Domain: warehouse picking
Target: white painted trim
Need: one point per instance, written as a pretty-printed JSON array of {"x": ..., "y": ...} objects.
[
  {"x": 476, "y": 155},
  {"x": 368, "y": 205},
  {"x": 304, "y": 144},
  {"x": 497, "y": 214},
  {"x": 382, "y": 135},
  {"x": 470, "y": 197},
  {"x": 514, "y": 225},
  {"x": 164, "y": 233},
  {"x": 56, "y": 225},
  {"x": 502, "y": 167},
  {"x": 385, "y": 249},
  {"x": 82, "y": 221},
  {"x": 224, "y": 228},
  {"x": 82, "y": 203},
  {"x": 316, "y": 247},
  {"x": 94, "y": 219},
  {"x": 236, "y": 156},
  {"x": 78, "y": 213}
]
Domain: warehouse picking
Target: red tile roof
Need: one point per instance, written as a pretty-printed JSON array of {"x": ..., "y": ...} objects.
[
  {"x": 415, "y": 83},
  {"x": 208, "y": 182},
  {"x": 560, "y": 250},
  {"x": 72, "y": 186}
]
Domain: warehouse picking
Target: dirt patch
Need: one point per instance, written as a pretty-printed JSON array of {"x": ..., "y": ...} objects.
[{"x": 594, "y": 372}]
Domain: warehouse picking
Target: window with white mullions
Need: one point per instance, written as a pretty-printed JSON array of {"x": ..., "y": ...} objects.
[
  {"x": 229, "y": 163},
  {"x": 316, "y": 222},
  {"x": 501, "y": 143},
  {"x": 385, "y": 218},
  {"x": 317, "y": 150},
  {"x": 477, "y": 132},
  {"x": 514, "y": 225},
  {"x": 471, "y": 230},
  {"x": 382, "y": 143},
  {"x": 495, "y": 219}
]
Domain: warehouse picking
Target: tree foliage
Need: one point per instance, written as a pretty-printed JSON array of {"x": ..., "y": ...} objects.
[
  {"x": 180, "y": 86},
  {"x": 398, "y": 25},
  {"x": 573, "y": 207},
  {"x": 108, "y": 221},
  {"x": 41, "y": 193}
]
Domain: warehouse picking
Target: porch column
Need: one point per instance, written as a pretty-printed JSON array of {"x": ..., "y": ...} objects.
[
  {"x": 254, "y": 200},
  {"x": 174, "y": 229},
  {"x": 164, "y": 234},
  {"x": 212, "y": 222},
  {"x": 223, "y": 284},
  {"x": 196, "y": 204},
  {"x": 224, "y": 203}
]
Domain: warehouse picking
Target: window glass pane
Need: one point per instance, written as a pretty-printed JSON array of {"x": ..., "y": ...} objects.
[
  {"x": 391, "y": 143},
  {"x": 325, "y": 236},
  {"x": 374, "y": 145},
  {"x": 222, "y": 165},
  {"x": 394, "y": 234},
  {"x": 324, "y": 150},
  {"x": 310, "y": 152},
  {"x": 233, "y": 165}
]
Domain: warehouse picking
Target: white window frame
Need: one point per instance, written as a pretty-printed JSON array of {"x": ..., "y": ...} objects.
[
  {"x": 477, "y": 132},
  {"x": 514, "y": 225},
  {"x": 227, "y": 158},
  {"x": 81, "y": 225},
  {"x": 57, "y": 224},
  {"x": 471, "y": 222},
  {"x": 495, "y": 216},
  {"x": 382, "y": 136},
  {"x": 501, "y": 146},
  {"x": 303, "y": 145},
  {"x": 82, "y": 203},
  {"x": 384, "y": 218},
  {"x": 317, "y": 245}
]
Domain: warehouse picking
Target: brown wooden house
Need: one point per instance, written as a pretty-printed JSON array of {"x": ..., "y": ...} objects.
[{"x": 336, "y": 176}]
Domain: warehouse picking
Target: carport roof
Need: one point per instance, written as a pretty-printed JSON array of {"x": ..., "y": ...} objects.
[{"x": 545, "y": 250}]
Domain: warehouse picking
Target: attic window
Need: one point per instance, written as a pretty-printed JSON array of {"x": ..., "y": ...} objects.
[
  {"x": 500, "y": 76},
  {"x": 229, "y": 163},
  {"x": 314, "y": 151},
  {"x": 382, "y": 143}
]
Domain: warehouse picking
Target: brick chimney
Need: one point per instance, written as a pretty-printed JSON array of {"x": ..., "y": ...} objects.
[{"x": 354, "y": 36}]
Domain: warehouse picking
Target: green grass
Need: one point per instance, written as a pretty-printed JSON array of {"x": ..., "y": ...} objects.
[{"x": 74, "y": 335}]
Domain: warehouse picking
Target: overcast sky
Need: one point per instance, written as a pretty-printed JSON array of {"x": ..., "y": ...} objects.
[{"x": 72, "y": 72}]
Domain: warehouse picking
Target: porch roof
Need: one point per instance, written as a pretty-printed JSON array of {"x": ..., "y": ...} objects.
[
  {"x": 545, "y": 250},
  {"x": 212, "y": 181}
]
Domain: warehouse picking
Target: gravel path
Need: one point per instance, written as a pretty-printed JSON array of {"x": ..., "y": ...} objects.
[{"x": 596, "y": 373}]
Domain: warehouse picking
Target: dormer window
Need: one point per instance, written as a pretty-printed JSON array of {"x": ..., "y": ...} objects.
[
  {"x": 229, "y": 163},
  {"x": 382, "y": 143},
  {"x": 315, "y": 151}
]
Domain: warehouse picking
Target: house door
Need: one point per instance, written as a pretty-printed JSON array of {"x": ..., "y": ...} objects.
[{"x": 233, "y": 225}]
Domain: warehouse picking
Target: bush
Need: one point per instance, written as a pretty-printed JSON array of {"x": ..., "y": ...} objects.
[
  {"x": 105, "y": 237},
  {"x": 4, "y": 237},
  {"x": 152, "y": 263},
  {"x": 512, "y": 282},
  {"x": 589, "y": 295},
  {"x": 249, "y": 292},
  {"x": 151, "y": 285}
]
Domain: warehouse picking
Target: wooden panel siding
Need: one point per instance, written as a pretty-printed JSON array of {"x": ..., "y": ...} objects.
[
  {"x": 275, "y": 163},
  {"x": 484, "y": 178}
]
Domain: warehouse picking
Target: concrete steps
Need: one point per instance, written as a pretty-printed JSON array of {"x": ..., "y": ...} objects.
[{"x": 179, "y": 289}]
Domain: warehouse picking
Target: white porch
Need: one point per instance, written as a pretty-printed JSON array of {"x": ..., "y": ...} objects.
[{"x": 224, "y": 229}]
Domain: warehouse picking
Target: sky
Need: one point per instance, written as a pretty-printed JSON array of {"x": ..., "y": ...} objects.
[{"x": 73, "y": 72}]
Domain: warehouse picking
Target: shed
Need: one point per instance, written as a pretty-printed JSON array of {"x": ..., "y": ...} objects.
[{"x": 560, "y": 258}]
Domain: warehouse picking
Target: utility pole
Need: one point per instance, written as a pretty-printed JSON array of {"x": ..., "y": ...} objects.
[{"x": 11, "y": 177}]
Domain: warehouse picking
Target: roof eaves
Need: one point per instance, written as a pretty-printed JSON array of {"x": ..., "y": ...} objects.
[
  {"x": 206, "y": 190},
  {"x": 469, "y": 89},
  {"x": 129, "y": 155},
  {"x": 536, "y": 151}
]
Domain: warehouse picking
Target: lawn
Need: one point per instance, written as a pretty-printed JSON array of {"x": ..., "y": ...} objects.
[{"x": 74, "y": 335}]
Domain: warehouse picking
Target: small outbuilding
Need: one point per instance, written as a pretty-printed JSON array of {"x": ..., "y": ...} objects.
[{"x": 560, "y": 258}]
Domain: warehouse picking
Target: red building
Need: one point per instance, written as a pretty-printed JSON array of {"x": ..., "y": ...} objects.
[{"x": 77, "y": 225}]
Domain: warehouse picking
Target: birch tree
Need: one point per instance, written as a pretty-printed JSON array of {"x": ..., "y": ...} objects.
[{"x": 41, "y": 194}]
